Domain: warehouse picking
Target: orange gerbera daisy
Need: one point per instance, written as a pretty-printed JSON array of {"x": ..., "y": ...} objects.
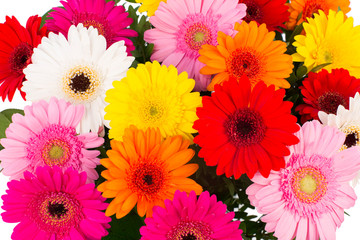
[
  {"x": 307, "y": 8},
  {"x": 144, "y": 169},
  {"x": 252, "y": 52}
]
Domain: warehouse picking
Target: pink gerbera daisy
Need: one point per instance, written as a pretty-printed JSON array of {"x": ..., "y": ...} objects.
[
  {"x": 46, "y": 135},
  {"x": 307, "y": 198},
  {"x": 54, "y": 205},
  {"x": 111, "y": 21},
  {"x": 186, "y": 217},
  {"x": 183, "y": 26}
]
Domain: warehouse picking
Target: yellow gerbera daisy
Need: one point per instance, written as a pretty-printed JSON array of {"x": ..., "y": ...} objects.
[
  {"x": 149, "y": 6},
  {"x": 153, "y": 96},
  {"x": 329, "y": 40},
  {"x": 145, "y": 170},
  {"x": 307, "y": 8},
  {"x": 252, "y": 52}
]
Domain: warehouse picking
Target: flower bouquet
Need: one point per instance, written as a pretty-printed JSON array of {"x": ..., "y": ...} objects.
[{"x": 174, "y": 119}]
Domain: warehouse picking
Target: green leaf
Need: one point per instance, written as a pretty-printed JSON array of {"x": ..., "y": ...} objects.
[
  {"x": 296, "y": 32},
  {"x": 11, "y": 111},
  {"x": 4, "y": 124},
  {"x": 45, "y": 17},
  {"x": 319, "y": 67},
  {"x": 301, "y": 72}
]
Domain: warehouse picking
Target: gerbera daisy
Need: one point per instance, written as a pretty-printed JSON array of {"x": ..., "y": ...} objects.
[
  {"x": 145, "y": 170},
  {"x": 300, "y": 10},
  {"x": 330, "y": 39},
  {"x": 243, "y": 130},
  {"x": 55, "y": 205},
  {"x": 111, "y": 21},
  {"x": 307, "y": 198},
  {"x": 149, "y": 6},
  {"x": 79, "y": 70},
  {"x": 17, "y": 44},
  {"x": 324, "y": 91},
  {"x": 190, "y": 218},
  {"x": 252, "y": 52},
  {"x": 183, "y": 26},
  {"x": 271, "y": 12},
  {"x": 46, "y": 135},
  {"x": 153, "y": 96}
]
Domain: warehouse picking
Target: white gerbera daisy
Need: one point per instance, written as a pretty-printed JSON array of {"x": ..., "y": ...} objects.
[
  {"x": 79, "y": 69},
  {"x": 347, "y": 121}
]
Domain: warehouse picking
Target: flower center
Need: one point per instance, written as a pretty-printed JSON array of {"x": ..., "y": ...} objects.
[
  {"x": 253, "y": 11},
  {"x": 245, "y": 127},
  {"x": 81, "y": 84},
  {"x": 352, "y": 136},
  {"x": 146, "y": 179},
  {"x": 153, "y": 112},
  {"x": 247, "y": 62},
  {"x": 309, "y": 184},
  {"x": 55, "y": 212},
  {"x": 55, "y": 145},
  {"x": 20, "y": 57},
  {"x": 190, "y": 230},
  {"x": 312, "y": 7},
  {"x": 197, "y": 35},
  {"x": 329, "y": 102}
]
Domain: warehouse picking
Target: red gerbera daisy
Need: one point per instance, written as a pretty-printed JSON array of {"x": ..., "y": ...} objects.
[
  {"x": 243, "y": 130},
  {"x": 324, "y": 91},
  {"x": 17, "y": 45},
  {"x": 271, "y": 12}
]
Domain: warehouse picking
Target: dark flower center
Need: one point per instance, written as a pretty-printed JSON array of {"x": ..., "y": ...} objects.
[
  {"x": 351, "y": 140},
  {"x": 244, "y": 62},
  {"x": 20, "y": 57},
  {"x": 57, "y": 210},
  {"x": 189, "y": 236},
  {"x": 245, "y": 127},
  {"x": 311, "y": 8},
  {"x": 330, "y": 101},
  {"x": 253, "y": 11},
  {"x": 80, "y": 83},
  {"x": 148, "y": 179}
]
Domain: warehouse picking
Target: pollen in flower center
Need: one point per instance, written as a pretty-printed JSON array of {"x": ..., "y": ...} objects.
[
  {"x": 245, "y": 127},
  {"x": 352, "y": 136},
  {"x": 309, "y": 184},
  {"x": 152, "y": 112},
  {"x": 329, "y": 102},
  {"x": 312, "y": 7},
  {"x": 190, "y": 230},
  {"x": 80, "y": 84},
  {"x": 57, "y": 210},
  {"x": 197, "y": 35},
  {"x": 20, "y": 57},
  {"x": 56, "y": 152},
  {"x": 253, "y": 12},
  {"x": 244, "y": 62}
]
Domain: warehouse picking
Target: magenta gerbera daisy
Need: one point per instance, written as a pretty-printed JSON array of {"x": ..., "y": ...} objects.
[
  {"x": 55, "y": 205},
  {"x": 307, "y": 198},
  {"x": 46, "y": 135},
  {"x": 190, "y": 218},
  {"x": 183, "y": 26},
  {"x": 111, "y": 21}
]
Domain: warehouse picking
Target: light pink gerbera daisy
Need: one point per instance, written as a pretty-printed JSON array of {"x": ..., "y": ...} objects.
[
  {"x": 183, "y": 26},
  {"x": 55, "y": 205},
  {"x": 307, "y": 198},
  {"x": 46, "y": 135},
  {"x": 111, "y": 21},
  {"x": 186, "y": 217}
]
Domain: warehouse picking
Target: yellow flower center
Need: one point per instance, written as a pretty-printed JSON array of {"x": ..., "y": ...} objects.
[
  {"x": 153, "y": 113},
  {"x": 308, "y": 184},
  {"x": 56, "y": 152},
  {"x": 81, "y": 84},
  {"x": 99, "y": 26},
  {"x": 199, "y": 37}
]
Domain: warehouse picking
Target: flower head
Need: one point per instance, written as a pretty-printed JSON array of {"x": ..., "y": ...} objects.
[
  {"x": 17, "y": 47},
  {"x": 79, "y": 70},
  {"x": 191, "y": 218},
  {"x": 243, "y": 130},
  {"x": 149, "y": 6},
  {"x": 145, "y": 170},
  {"x": 271, "y": 12},
  {"x": 252, "y": 52},
  {"x": 111, "y": 21},
  {"x": 177, "y": 42},
  {"x": 46, "y": 136},
  {"x": 330, "y": 39},
  {"x": 307, "y": 198},
  {"x": 55, "y": 205},
  {"x": 300, "y": 10},
  {"x": 324, "y": 91},
  {"x": 153, "y": 96}
]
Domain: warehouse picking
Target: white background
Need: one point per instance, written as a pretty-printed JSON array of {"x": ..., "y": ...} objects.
[{"x": 22, "y": 9}]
